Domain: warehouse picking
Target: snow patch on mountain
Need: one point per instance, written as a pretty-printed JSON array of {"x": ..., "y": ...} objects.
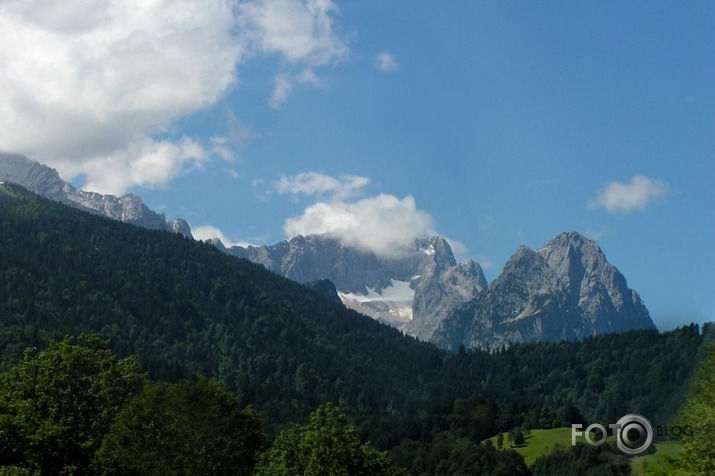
[
  {"x": 413, "y": 291},
  {"x": 392, "y": 304}
]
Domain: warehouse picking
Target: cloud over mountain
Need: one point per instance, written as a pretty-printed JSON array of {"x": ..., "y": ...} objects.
[
  {"x": 94, "y": 86},
  {"x": 384, "y": 224}
]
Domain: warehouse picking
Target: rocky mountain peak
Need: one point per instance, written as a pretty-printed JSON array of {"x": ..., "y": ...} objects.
[
  {"x": 473, "y": 269},
  {"x": 412, "y": 290},
  {"x": 30, "y": 174},
  {"x": 565, "y": 290},
  {"x": 45, "y": 181},
  {"x": 439, "y": 249}
]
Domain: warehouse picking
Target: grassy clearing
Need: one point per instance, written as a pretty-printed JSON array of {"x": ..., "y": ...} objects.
[
  {"x": 656, "y": 462},
  {"x": 540, "y": 442}
]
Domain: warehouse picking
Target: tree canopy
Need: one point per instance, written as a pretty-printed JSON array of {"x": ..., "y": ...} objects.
[
  {"x": 56, "y": 405},
  {"x": 326, "y": 445}
]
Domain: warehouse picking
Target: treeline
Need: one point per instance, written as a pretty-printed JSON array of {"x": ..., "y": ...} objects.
[
  {"x": 78, "y": 409},
  {"x": 605, "y": 377}
]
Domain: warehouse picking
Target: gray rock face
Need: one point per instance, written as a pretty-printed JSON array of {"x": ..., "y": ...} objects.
[
  {"x": 565, "y": 290},
  {"x": 47, "y": 182},
  {"x": 413, "y": 292}
]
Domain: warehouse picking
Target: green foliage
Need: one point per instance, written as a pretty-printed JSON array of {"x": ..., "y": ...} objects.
[
  {"x": 326, "y": 445},
  {"x": 448, "y": 454},
  {"x": 698, "y": 454},
  {"x": 583, "y": 460},
  {"x": 606, "y": 376},
  {"x": 182, "y": 430},
  {"x": 16, "y": 471},
  {"x": 516, "y": 436},
  {"x": 56, "y": 405},
  {"x": 540, "y": 442}
]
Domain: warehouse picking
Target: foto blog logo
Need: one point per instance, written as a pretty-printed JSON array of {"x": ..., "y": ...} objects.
[{"x": 634, "y": 434}]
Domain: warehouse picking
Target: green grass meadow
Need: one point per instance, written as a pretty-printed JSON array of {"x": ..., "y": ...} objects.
[{"x": 539, "y": 442}]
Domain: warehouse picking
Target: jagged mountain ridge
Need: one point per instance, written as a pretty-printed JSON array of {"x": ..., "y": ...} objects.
[
  {"x": 412, "y": 291},
  {"x": 565, "y": 290},
  {"x": 46, "y": 181}
]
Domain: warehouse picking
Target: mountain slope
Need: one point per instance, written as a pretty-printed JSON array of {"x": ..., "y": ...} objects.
[
  {"x": 413, "y": 290},
  {"x": 565, "y": 290},
  {"x": 45, "y": 181},
  {"x": 185, "y": 308}
]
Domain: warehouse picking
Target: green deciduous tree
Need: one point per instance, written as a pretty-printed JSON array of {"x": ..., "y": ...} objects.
[
  {"x": 326, "y": 445},
  {"x": 56, "y": 405},
  {"x": 699, "y": 412},
  {"x": 180, "y": 429}
]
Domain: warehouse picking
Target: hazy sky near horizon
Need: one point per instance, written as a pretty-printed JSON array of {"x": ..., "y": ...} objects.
[{"x": 493, "y": 123}]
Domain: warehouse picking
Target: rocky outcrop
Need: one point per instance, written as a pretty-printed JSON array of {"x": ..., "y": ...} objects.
[
  {"x": 566, "y": 290},
  {"x": 46, "y": 181}
]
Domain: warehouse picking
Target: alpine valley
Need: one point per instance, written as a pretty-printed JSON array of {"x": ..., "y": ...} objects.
[{"x": 126, "y": 350}]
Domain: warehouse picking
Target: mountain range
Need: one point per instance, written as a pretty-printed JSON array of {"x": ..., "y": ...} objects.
[
  {"x": 185, "y": 309},
  {"x": 414, "y": 291},
  {"x": 46, "y": 182},
  {"x": 565, "y": 290}
]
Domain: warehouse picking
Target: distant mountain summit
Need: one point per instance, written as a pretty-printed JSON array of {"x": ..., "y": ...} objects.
[
  {"x": 46, "y": 181},
  {"x": 565, "y": 290},
  {"x": 413, "y": 291}
]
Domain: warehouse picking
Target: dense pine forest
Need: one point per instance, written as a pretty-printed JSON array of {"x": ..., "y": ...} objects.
[{"x": 178, "y": 321}]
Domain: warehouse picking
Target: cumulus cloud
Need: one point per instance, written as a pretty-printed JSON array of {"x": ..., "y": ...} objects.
[
  {"x": 629, "y": 197},
  {"x": 302, "y": 33},
  {"x": 384, "y": 61},
  {"x": 94, "y": 87},
  {"x": 317, "y": 184},
  {"x": 384, "y": 224},
  {"x": 208, "y": 232}
]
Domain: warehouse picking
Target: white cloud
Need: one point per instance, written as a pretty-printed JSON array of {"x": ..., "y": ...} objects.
[
  {"x": 384, "y": 224},
  {"x": 284, "y": 84},
  {"x": 301, "y": 32},
  {"x": 94, "y": 86},
  {"x": 384, "y": 61},
  {"x": 88, "y": 85},
  {"x": 317, "y": 184},
  {"x": 629, "y": 197},
  {"x": 146, "y": 162},
  {"x": 281, "y": 91},
  {"x": 208, "y": 232}
]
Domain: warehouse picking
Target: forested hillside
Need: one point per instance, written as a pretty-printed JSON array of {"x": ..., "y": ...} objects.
[{"x": 186, "y": 310}]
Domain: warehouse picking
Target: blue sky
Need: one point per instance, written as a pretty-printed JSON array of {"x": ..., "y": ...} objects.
[{"x": 496, "y": 124}]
